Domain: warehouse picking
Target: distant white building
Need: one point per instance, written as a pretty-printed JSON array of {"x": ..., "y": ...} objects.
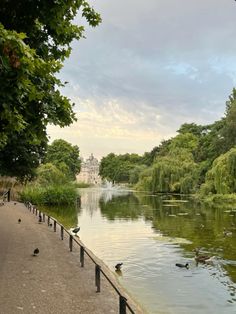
[{"x": 89, "y": 172}]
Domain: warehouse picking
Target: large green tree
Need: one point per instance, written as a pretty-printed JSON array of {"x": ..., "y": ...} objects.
[
  {"x": 64, "y": 156},
  {"x": 35, "y": 38}
]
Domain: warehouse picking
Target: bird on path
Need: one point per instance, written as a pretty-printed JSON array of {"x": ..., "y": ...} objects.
[
  {"x": 118, "y": 266},
  {"x": 182, "y": 265},
  {"x": 36, "y": 252},
  {"x": 19, "y": 221}
]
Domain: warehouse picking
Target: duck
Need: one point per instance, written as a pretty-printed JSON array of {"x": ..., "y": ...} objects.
[
  {"x": 182, "y": 265},
  {"x": 118, "y": 266},
  {"x": 201, "y": 258},
  {"x": 227, "y": 233}
]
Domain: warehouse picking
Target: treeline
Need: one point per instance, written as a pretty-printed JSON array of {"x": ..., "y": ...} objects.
[{"x": 200, "y": 158}]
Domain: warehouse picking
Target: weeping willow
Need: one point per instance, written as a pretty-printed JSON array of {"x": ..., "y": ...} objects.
[
  {"x": 175, "y": 173},
  {"x": 221, "y": 178}
]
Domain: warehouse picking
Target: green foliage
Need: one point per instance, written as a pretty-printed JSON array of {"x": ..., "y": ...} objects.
[
  {"x": 48, "y": 174},
  {"x": 221, "y": 178},
  {"x": 135, "y": 172},
  {"x": 228, "y": 131},
  {"x": 118, "y": 168},
  {"x": 49, "y": 25},
  {"x": 64, "y": 156},
  {"x": 49, "y": 195},
  {"x": 35, "y": 37},
  {"x": 145, "y": 180}
]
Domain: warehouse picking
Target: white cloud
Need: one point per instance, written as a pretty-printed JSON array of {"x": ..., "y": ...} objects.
[{"x": 149, "y": 67}]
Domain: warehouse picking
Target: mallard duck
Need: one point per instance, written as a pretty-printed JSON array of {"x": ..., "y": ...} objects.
[{"x": 201, "y": 258}]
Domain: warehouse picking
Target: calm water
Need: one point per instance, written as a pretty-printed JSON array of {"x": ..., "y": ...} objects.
[{"x": 149, "y": 234}]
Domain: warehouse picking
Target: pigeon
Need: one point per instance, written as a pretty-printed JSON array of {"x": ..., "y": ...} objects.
[
  {"x": 36, "y": 252},
  {"x": 118, "y": 266},
  {"x": 182, "y": 265},
  {"x": 19, "y": 221}
]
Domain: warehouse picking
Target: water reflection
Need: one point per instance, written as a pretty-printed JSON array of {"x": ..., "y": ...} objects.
[{"x": 150, "y": 234}]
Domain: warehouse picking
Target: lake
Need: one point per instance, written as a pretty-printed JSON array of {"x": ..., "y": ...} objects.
[{"x": 150, "y": 234}]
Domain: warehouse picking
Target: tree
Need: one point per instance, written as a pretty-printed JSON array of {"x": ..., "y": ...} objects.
[
  {"x": 35, "y": 37},
  {"x": 118, "y": 168},
  {"x": 228, "y": 131},
  {"x": 64, "y": 156},
  {"x": 49, "y": 174},
  {"x": 221, "y": 178}
]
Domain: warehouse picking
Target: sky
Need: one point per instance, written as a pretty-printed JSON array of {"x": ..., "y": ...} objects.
[{"x": 151, "y": 66}]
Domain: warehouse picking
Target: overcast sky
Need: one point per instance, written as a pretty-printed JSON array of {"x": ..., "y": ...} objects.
[{"x": 151, "y": 66}]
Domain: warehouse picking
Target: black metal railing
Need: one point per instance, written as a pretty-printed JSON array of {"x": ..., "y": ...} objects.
[{"x": 123, "y": 302}]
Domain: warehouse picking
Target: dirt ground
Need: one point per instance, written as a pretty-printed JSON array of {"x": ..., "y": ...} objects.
[{"x": 53, "y": 281}]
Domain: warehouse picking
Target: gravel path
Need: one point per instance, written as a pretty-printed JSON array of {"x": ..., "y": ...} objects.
[{"x": 53, "y": 281}]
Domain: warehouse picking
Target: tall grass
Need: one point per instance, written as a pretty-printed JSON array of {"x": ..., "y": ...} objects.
[{"x": 49, "y": 195}]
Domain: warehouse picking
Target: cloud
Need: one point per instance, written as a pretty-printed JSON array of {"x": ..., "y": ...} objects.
[{"x": 151, "y": 66}]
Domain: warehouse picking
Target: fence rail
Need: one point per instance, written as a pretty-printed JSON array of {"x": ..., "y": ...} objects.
[{"x": 123, "y": 302}]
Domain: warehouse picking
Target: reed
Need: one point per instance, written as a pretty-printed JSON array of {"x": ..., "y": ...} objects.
[{"x": 49, "y": 195}]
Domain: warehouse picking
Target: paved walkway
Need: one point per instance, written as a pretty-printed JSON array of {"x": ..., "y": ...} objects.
[{"x": 52, "y": 282}]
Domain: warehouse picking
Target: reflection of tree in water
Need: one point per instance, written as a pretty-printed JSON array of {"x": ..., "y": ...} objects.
[
  {"x": 122, "y": 207},
  {"x": 66, "y": 215},
  {"x": 202, "y": 225},
  {"x": 90, "y": 198}
]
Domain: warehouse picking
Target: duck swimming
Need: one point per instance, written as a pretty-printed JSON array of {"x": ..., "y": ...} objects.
[
  {"x": 201, "y": 258},
  {"x": 227, "y": 233},
  {"x": 182, "y": 265}
]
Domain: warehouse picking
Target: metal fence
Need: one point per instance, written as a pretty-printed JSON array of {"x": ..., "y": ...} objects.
[{"x": 123, "y": 302}]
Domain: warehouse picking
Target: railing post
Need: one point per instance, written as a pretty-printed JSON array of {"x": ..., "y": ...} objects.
[
  {"x": 48, "y": 220},
  {"x": 71, "y": 242},
  {"x": 33, "y": 209},
  {"x": 82, "y": 256},
  {"x": 43, "y": 217},
  {"x": 55, "y": 225},
  {"x": 97, "y": 277},
  {"x": 123, "y": 301},
  {"x": 62, "y": 232},
  {"x": 9, "y": 195},
  {"x": 36, "y": 211}
]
